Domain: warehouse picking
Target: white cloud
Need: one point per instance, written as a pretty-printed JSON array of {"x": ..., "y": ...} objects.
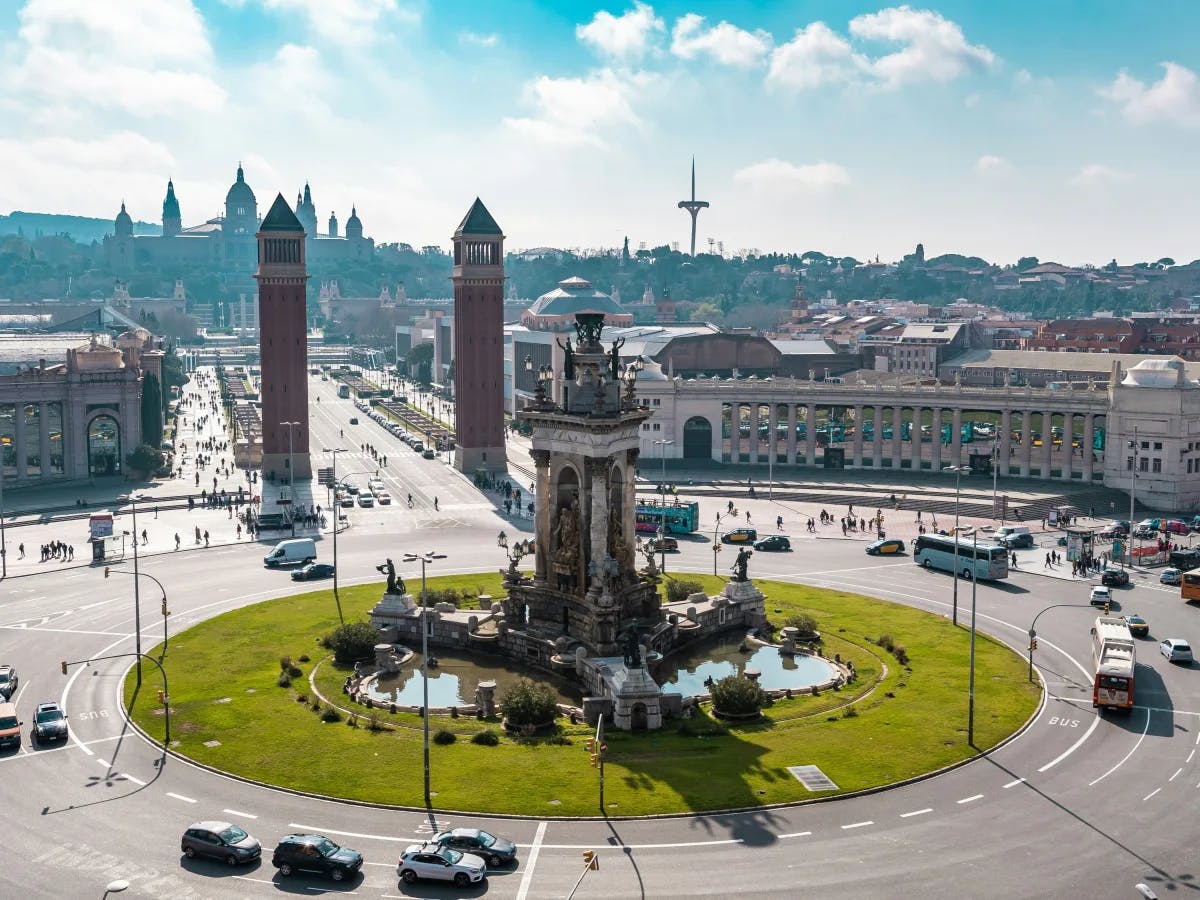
[
  {"x": 815, "y": 56},
  {"x": 1097, "y": 175},
  {"x": 934, "y": 48},
  {"x": 350, "y": 23},
  {"x": 727, "y": 44},
  {"x": 777, "y": 174},
  {"x": 1173, "y": 98},
  {"x": 475, "y": 39},
  {"x": 574, "y": 111},
  {"x": 627, "y": 37},
  {"x": 992, "y": 165},
  {"x": 145, "y": 57}
]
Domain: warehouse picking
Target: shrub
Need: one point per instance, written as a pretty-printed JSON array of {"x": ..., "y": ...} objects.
[
  {"x": 901, "y": 654},
  {"x": 805, "y": 624},
  {"x": 285, "y": 663},
  {"x": 352, "y": 721},
  {"x": 315, "y": 705},
  {"x": 445, "y": 737},
  {"x": 284, "y": 680},
  {"x": 678, "y": 591},
  {"x": 849, "y": 713},
  {"x": 373, "y": 723},
  {"x": 529, "y": 703},
  {"x": 329, "y": 714},
  {"x": 737, "y": 695},
  {"x": 486, "y": 738},
  {"x": 887, "y": 642},
  {"x": 303, "y": 657},
  {"x": 145, "y": 459},
  {"x": 353, "y": 641}
]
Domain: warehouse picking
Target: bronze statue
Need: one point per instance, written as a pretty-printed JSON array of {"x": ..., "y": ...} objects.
[
  {"x": 633, "y": 647},
  {"x": 568, "y": 359},
  {"x": 617, "y": 548},
  {"x": 394, "y": 585},
  {"x": 614, "y": 360},
  {"x": 741, "y": 564}
]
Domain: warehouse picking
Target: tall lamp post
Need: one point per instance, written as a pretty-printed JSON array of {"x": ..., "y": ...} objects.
[
  {"x": 291, "y": 474},
  {"x": 971, "y": 678},
  {"x": 662, "y": 528},
  {"x": 3, "y": 545},
  {"x": 716, "y": 539},
  {"x": 137, "y": 599},
  {"x": 958, "y": 471},
  {"x": 337, "y": 518},
  {"x": 424, "y": 559}
]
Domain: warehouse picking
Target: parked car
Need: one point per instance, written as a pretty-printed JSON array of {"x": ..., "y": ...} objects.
[
  {"x": 885, "y": 546},
  {"x": 740, "y": 536},
  {"x": 425, "y": 861},
  {"x": 10, "y": 725},
  {"x": 313, "y": 571},
  {"x": 375, "y": 484},
  {"x": 365, "y": 499},
  {"x": 1114, "y": 577},
  {"x": 1195, "y": 523},
  {"x": 1114, "y": 531},
  {"x": 1142, "y": 533},
  {"x": 219, "y": 840},
  {"x": 1170, "y": 576},
  {"x": 1100, "y": 596},
  {"x": 347, "y": 501},
  {"x": 429, "y": 454},
  {"x": 1176, "y": 650},
  {"x": 495, "y": 851},
  {"x": 8, "y": 682},
  {"x": 773, "y": 542},
  {"x": 383, "y": 498},
  {"x": 316, "y": 853},
  {"x": 350, "y": 487},
  {"x": 1138, "y": 626},
  {"x": 1152, "y": 524},
  {"x": 49, "y": 723}
]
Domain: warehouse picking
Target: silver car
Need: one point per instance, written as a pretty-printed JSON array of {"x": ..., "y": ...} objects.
[
  {"x": 1176, "y": 650},
  {"x": 428, "y": 861},
  {"x": 220, "y": 840}
]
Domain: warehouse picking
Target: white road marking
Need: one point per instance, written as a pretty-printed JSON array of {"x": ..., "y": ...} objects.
[
  {"x": 1151, "y": 794},
  {"x": 316, "y": 829},
  {"x": 796, "y": 834},
  {"x": 970, "y": 799},
  {"x": 181, "y": 797},
  {"x": 257, "y": 880},
  {"x": 531, "y": 861},
  {"x": 1190, "y": 755},
  {"x": 1014, "y": 783},
  {"x": 1127, "y": 755},
  {"x": 244, "y": 815},
  {"x": 1176, "y": 775},
  {"x": 917, "y": 812},
  {"x": 1075, "y": 746},
  {"x": 639, "y": 846},
  {"x": 856, "y": 825}
]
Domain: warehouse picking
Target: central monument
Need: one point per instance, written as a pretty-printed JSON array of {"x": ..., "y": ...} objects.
[{"x": 585, "y": 583}]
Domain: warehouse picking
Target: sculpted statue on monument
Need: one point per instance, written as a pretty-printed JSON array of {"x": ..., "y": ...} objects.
[
  {"x": 566, "y": 557},
  {"x": 741, "y": 565},
  {"x": 394, "y": 585},
  {"x": 632, "y": 646},
  {"x": 617, "y": 548}
]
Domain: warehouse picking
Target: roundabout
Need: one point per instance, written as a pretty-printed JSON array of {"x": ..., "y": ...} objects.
[{"x": 232, "y": 710}]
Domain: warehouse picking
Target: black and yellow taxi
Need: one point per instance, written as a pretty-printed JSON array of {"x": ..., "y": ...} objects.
[
  {"x": 740, "y": 536},
  {"x": 885, "y": 547}
]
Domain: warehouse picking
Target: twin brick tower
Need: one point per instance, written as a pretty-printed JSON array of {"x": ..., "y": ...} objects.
[{"x": 478, "y": 343}]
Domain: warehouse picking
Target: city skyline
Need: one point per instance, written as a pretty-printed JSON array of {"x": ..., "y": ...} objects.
[{"x": 856, "y": 129}]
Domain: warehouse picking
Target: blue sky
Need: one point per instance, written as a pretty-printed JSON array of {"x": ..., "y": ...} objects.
[{"x": 1062, "y": 128}]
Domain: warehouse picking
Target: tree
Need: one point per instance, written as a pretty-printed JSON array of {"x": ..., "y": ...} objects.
[
  {"x": 145, "y": 459},
  {"x": 529, "y": 703},
  {"x": 353, "y": 641},
  {"x": 1026, "y": 262},
  {"x": 737, "y": 695},
  {"x": 152, "y": 411}
]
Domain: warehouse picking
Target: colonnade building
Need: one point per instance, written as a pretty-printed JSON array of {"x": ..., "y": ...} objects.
[{"x": 1079, "y": 432}]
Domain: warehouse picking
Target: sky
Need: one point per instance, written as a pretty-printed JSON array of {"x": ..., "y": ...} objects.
[{"x": 1063, "y": 129}]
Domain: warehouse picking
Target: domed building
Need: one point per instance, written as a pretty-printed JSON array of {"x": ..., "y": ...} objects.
[{"x": 556, "y": 309}]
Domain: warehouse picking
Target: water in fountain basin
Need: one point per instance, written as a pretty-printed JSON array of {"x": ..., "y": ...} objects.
[
  {"x": 686, "y": 671},
  {"x": 453, "y": 680}
]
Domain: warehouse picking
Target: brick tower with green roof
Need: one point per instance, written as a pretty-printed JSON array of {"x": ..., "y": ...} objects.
[
  {"x": 282, "y": 278},
  {"x": 479, "y": 342}
]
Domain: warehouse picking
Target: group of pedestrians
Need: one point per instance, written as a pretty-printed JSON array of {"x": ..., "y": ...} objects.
[{"x": 59, "y": 550}]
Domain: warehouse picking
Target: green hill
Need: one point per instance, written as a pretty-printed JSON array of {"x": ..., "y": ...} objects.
[{"x": 83, "y": 229}]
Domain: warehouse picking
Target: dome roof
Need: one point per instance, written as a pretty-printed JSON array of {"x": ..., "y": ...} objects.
[
  {"x": 574, "y": 295},
  {"x": 123, "y": 222},
  {"x": 353, "y": 220},
  {"x": 1158, "y": 373},
  {"x": 239, "y": 191}
]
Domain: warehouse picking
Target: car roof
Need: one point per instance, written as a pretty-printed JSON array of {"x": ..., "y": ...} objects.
[{"x": 210, "y": 825}]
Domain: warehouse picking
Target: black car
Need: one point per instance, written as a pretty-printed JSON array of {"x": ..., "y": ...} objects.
[
  {"x": 495, "y": 851},
  {"x": 8, "y": 682},
  {"x": 313, "y": 570},
  {"x": 315, "y": 853},
  {"x": 219, "y": 840},
  {"x": 49, "y": 723},
  {"x": 1114, "y": 578},
  {"x": 775, "y": 542}
]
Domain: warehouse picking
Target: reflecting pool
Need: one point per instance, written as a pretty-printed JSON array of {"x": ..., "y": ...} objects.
[
  {"x": 686, "y": 671},
  {"x": 453, "y": 680}
]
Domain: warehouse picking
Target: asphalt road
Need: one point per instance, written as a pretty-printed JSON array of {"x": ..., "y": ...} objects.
[{"x": 1078, "y": 805}]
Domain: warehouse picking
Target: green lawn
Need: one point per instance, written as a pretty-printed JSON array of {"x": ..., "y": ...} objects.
[{"x": 909, "y": 720}]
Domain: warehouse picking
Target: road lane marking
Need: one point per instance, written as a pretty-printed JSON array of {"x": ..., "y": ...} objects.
[
  {"x": 917, "y": 812},
  {"x": 640, "y": 846},
  {"x": 315, "y": 829},
  {"x": 531, "y": 861},
  {"x": 1014, "y": 783},
  {"x": 970, "y": 799},
  {"x": 1127, "y": 755},
  {"x": 1176, "y": 775},
  {"x": 244, "y": 815},
  {"x": 1075, "y": 746},
  {"x": 1190, "y": 755},
  {"x": 857, "y": 825},
  {"x": 796, "y": 834},
  {"x": 181, "y": 797},
  {"x": 1151, "y": 794}
]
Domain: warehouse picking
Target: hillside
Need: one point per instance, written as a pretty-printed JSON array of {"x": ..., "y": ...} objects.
[{"x": 83, "y": 229}]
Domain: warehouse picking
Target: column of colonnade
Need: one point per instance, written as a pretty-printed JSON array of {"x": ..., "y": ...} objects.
[
  {"x": 1089, "y": 438},
  {"x": 1005, "y": 447},
  {"x": 791, "y": 434},
  {"x": 856, "y": 451},
  {"x": 877, "y": 442},
  {"x": 810, "y": 434},
  {"x": 735, "y": 433},
  {"x": 754, "y": 438},
  {"x": 935, "y": 429}
]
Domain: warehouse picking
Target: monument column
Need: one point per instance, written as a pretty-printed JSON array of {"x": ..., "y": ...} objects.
[
  {"x": 735, "y": 433},
  {"x": 877, "y": 438},
  {"x": 1089, "y": 438},
  {"x": 773, "y": 433},
  {"x": 1004, "y": 450},
  {"x": 810, "y": 434},
  {"x": 597, "y": 471},
  {"x": 629, "y": 519},
  {"x": 44, "y": 438},
  {"x": 936, "y": 429},
  {"x": 541, "y": 512},
  {"x": 791, "y": 434}
]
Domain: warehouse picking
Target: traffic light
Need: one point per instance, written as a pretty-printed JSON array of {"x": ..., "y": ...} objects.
[
  {"x": 595, "y": 760},
  {"x": 1033, "y": 645},
  {"x": 164, "y": 608},
  {"x": 1107, "y": 607},
  {"x": 64, "y": 667},
  {"x": 590, "y": 861}
]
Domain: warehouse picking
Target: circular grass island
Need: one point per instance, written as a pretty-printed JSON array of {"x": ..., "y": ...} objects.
[{"x": 905, "y": 715}]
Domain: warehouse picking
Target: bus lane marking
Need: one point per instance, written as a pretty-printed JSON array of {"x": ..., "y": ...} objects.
[{"x": 1145, "y": 729}]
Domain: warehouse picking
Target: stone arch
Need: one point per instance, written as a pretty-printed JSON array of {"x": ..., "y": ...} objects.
[
  {"x": 103, "y": 440},
  {"x": 567, "y": 503},
  {"x": 619, "y": 518},
  {"x": 697, "y": 438}
]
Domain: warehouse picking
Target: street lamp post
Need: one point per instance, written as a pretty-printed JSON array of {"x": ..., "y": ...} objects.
[
  {"x": 424, "y": 559},
  {"x": 109, "y": 571},
  {"x": 3, "y": 545},
  {"x": 137, "y": 599},
  {"x": 971, "y": 677},
  {"x": 957, "y": 470},
  {"x": 115, "y": 887},
  {"x": 291, "y": 474},
  {"x": 337, "y": 515},
  {"x": 662, "y": 528},
  {"x": 716, "y": 539}
]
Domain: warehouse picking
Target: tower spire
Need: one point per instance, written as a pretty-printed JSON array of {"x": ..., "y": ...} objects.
[{"x": 693, "y": 206}]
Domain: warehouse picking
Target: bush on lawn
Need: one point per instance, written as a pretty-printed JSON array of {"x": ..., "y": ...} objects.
[
  {"x": 804, "y": 624},
  {"x": 486, "y": 738},
  {"x": 737, "y": 696},
  {"x": 353, "y": 641},
  {"x": 678, "y": 591},
  {"x": 445, "y": 737},
  {"x": 529, "y": 703},
  {"x": 329, "y": 714}
]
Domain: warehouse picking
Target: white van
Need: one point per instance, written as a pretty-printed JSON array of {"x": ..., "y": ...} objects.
[
  {"x": 1014, "y": 536},
  {"x": 289, "y": 552}
]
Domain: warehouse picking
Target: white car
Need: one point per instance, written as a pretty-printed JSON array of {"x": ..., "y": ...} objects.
[
  {"x": 1100, "y": 596},
  {"x": 375, "y": 485},
  {"x": 1170, "y": 576},
  {"x": 383, "y": 498},
  {"x": 1176, "y": 650},
  {"x": 365, "y": 499},
  {"x": 427, "y": 861}
]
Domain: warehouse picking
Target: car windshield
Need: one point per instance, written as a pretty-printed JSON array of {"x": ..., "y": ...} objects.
[
  {"x": 4, "y": 678},
  {"x": 8, "y": 722},
  {"x": 49, "y": 715},
  {"x": 233, "y": 835},
  {"x": 450, "y": 856},
  {"x": 1181, "y": 648},
  {"x": 1136, "y": 620},
  {"x": 327, "y": 848}
]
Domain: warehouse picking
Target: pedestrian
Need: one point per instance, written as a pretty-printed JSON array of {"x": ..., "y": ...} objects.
[
  {"x": 177, "y": 540},
  {"x": 145, "y": 540},
  {"x": 1047, "y": 565},
  {"x": 747, "y": 517},
  {"x": 239, "y": 532},
  {"x": 779, "y": 523},
  {"x": 1014, "y": 560},
  {"x": 206, "y": 537},
  {"x": 21, "y": 551}
]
